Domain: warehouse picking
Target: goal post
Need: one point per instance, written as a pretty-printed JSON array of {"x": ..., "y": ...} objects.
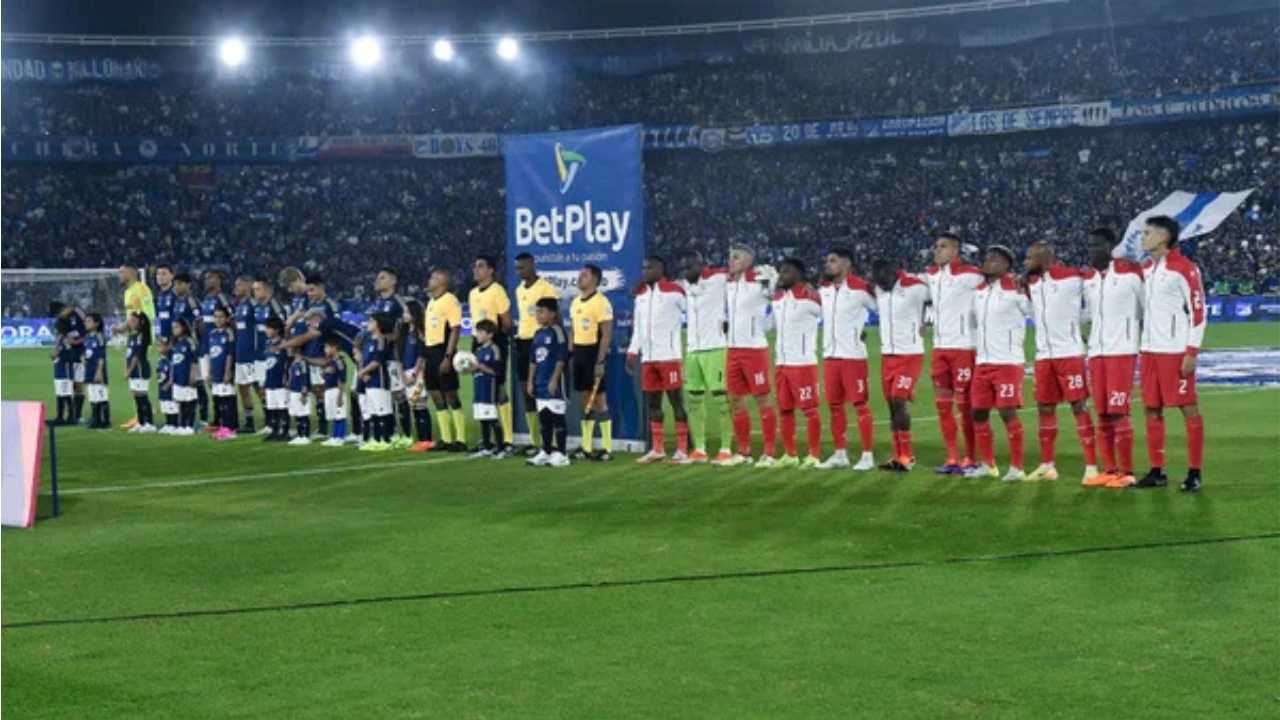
[{"x": 26, "y": 293}]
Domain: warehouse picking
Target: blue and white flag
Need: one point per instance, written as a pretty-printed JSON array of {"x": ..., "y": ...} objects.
[{"x": 1197, "y": 213}]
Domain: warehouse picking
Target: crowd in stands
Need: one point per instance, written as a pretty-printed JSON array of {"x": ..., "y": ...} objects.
[
  {"x": 905, "y": 79},
  {"x": 884, "y": 199}
]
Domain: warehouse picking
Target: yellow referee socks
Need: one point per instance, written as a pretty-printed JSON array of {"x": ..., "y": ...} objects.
[
  {"x": 531, "y": 421},
  {"x": 606, "y": 435},
  {"x": 504, "y": 416},
  {"x": 588, "y": 427},
  {"x": 442, "y": 422},
  {"x": 459, "y": 425}
]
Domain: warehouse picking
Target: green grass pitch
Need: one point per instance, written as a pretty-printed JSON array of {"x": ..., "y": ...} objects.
[{"x": 197, "y": 580}]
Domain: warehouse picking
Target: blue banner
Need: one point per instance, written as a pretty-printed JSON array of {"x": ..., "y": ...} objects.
[
  {"x": 1228, "y": 102},
  {"x": 577, "y": 198}
]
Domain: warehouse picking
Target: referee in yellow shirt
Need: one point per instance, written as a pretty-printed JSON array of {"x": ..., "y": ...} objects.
[
  {"x": 489, "y": 301},
  {"x": 592, "y": 317},
  {"x": 442, "y": 326},
  {"x": 529, "y": 291},
  {"x": 137, "y": 298}
]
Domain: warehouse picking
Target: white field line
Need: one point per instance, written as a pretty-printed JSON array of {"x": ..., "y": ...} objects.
[{"x": 227, "y": 479}]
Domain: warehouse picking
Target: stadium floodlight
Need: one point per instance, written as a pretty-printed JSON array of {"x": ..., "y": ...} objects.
[
  {"x": 442, "y": 50},
  {"x": 232, "y": 52},
  {"x": 508, "y": 48},
  {"x": 366, "y": 51}
]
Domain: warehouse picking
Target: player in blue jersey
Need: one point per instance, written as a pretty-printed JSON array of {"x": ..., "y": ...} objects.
[
  {"x": 318, "y": 300},
  {"x": 164, "y": 301},
  {"x": 73, "y": 349},
  {"x": 186, "y": 307},
  {"x": 391, "y": 304},
  {"x": 246, "y": 336},
  {"x": 300, "y": 397},
  {"x": 220, "y": 349},
  {"x": 183, "y": 357},
  {"x": 413, "y": 361},
  {"x": 64, "y": 360},
  {"x": 213, "y": 297},
  {"x": 375, "y": 358},
  {"x": 484, "y": 387},
  {"x": 275, "y": 372},
  {"x": 164, "y": 387},
  {"x": 265, "y": 307},
  {"x": 333, "y": 372},
  {"x": 549, "y": 354},
  {"x": 95, "y": 372},
  {"x": 137, "y": 370}
]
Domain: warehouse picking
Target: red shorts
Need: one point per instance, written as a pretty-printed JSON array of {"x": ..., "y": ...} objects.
[
  {"x": 746, "y": 371},
  {"x": 996, "y": 386},
  {"x": 1162, "y": 381},
  {"x": 952, "y": 369},
  {"x": 1060, "y": 380},
  {"x": 1111, "y": 383},
  {"x": 844, "y": 380},
  {"x": 661, "y": 376},
  {"x": 898, "y": 375},
  {"x": 797, "y": 387}
]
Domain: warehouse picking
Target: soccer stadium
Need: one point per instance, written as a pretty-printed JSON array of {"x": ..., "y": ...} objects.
[{"x": 803, "y": 358}]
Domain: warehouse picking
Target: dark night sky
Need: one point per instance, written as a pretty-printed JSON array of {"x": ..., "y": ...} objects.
[{"x": 336, "y": 17}]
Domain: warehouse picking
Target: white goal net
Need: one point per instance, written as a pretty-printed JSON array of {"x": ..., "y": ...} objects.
[{"x": 27, "y": 293}]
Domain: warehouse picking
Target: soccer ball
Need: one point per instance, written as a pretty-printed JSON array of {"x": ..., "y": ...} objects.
[{"x": 464, "y": 362}]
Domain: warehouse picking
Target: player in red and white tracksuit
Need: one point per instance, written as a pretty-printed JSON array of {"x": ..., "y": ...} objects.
[
  {"x": 999, "y": 315},
  {"x": 749, "y": 292},
  {"x": 900, "y": 301},
  {"x": 951, "y": 287},
  {"x": 1113, "y": 296},
  {"x": 1172, "y": 331},
  {"x": 847, "y": 302},
  {"x": 797, "y": 308},
  {"x": 657, "y": 348},
  {"x": 1057, "y": 301}
]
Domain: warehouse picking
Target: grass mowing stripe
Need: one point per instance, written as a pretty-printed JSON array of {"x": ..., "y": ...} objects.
[
  {"x": 249, "y": 478},
  {"x": 641, "y": 582}
]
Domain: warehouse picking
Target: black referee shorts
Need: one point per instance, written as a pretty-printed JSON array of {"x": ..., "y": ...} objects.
[
  {"x": 432, "y": 378},
  {"x": 504, "y": 354},
  {"x": 584, "y": 368},
  {"x": 523, "y": 356}
]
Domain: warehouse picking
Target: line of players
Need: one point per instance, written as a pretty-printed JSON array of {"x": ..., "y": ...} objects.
[{"x": 978, "y": 358}]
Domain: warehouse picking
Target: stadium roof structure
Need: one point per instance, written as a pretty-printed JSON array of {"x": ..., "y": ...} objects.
[{"x": 643, "y": 31}]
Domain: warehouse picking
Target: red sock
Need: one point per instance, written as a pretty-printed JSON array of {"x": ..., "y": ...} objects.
[
  {"x": 1155, "y": 440},
  {"x": 966, "y": 424},
  {"x": 682, "y": 437},
  {"x": 986, "y": 446},
  {"x": 655, "y": 432},
  {"x": 1084, "y": 428},
  {"x": 1107, "y": 442},
  {"x": 769, "y": 429},
  {"x": 1014, "y": 428},
  {"x": 1195, "y": 441},
  {"x": 1048, "y": 438},
  {"x": 788, "y": 432},
  {"x": 813, "y": 424},
  {"x": 947, "y": 422},
  {"x": 1124, "y": 444},
  {"x": 839, "y": 424},
  {"x": 865, "y": 427},
  {"x": 742, "y": 432},
  {"x": 904, "y": 446}
]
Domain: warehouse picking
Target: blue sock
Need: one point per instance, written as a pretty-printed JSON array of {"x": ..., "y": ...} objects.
[{"x": 339, "y": 428}]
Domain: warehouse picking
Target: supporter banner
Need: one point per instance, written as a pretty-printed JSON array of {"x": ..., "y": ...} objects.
[
  {"x": 837, "y": 39},
  {"x": 71, "y": 70},
  {"x": 1229, "y": 102},
  {"x": 149, "y": 150},
  {"x": 672, "y": 137},
  {"x": 1048, "y": 117},
  {"x": 1007, "y": 33},
  {"x": 577, "y": 198},
  {"x": 447, "y": 145}
]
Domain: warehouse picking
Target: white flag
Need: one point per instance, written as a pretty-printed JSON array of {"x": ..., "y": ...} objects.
[{"x": 1197, "y": 213}]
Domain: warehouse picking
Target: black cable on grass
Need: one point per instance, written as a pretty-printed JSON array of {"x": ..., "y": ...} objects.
[{"x": 639, "y": 582}]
